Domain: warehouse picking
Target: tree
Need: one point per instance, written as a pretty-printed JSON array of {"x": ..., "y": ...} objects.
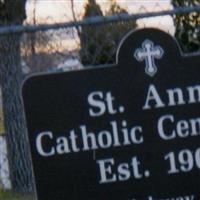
[
  {"x": 91, "y": 36},
  {"x": 99, "y": 42},
  {"x": 187, "y": 26},
  {"x": 13, "y": 13},
  {"x": 117, "y": 30}
]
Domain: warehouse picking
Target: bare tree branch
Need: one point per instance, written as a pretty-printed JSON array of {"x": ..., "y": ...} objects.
[{"x": 74, "y": 17}]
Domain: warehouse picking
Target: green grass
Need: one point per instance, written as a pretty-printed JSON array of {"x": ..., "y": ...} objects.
[
  {"x": 2, "y": 129},
  {"x": 7, "y": 195}
]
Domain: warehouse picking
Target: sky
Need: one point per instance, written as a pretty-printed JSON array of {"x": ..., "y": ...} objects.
[{"x": 54, "y": 11}]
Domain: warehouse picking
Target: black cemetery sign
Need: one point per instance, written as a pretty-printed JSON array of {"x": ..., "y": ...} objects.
[{"x": 125, "y": 132}]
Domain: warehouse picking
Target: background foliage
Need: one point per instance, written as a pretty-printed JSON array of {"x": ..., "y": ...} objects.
[
  {"x": 188, "y": 26},
  {"x": 99, "y": 43}
]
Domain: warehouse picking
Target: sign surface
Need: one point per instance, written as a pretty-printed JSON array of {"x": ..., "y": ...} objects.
[{"x": 125, "y": 132}]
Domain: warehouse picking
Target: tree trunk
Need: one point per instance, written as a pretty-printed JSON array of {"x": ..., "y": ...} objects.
[
  {"x": 11, "y": 80},
  {"x": 12, "y": 12}
]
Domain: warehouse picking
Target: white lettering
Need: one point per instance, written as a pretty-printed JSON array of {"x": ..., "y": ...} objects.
[
  {"x": 172, "y": 93},
  {"x": 134, "y": 138},
  {"x": 124, "y": 172},
  {"x": 39, "y": 147},
  {"x": 192, "y": 91},
  {"x": 106, "y": 170},
  {"x": 105, "y": 139},
  {"x": 95, "y": 99},
  {"x": 161, "y": 132},
  {"x": 62, "y": 145},
  {"x": 154, "y": 97}
]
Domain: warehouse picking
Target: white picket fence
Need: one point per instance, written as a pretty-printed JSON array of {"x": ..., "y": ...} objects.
[{"x": 4, "y": 169}]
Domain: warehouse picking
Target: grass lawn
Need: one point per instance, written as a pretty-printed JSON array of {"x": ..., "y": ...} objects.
[
  {"x": 2, "y": 130},
  {"x": 4, "y": 195}
]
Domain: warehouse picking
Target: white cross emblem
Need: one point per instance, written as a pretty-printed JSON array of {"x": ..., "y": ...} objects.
[{"x": 149, "y": 52}]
